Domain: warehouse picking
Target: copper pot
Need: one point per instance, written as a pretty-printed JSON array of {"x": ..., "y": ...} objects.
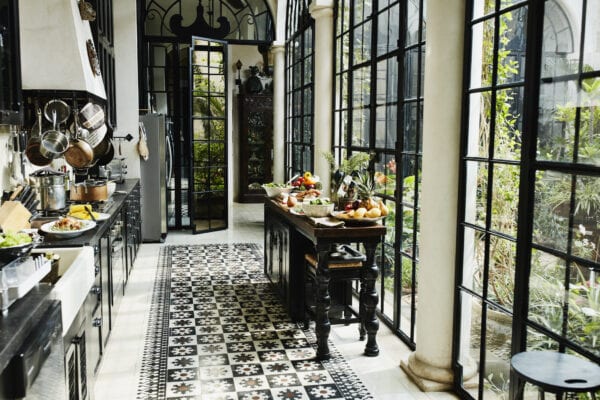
[
  {"x": 89, "y": 191},
  {"x": 80, "y": 153}
]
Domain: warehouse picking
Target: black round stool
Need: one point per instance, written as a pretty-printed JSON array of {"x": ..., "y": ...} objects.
[{"x": 556, "y": 373}]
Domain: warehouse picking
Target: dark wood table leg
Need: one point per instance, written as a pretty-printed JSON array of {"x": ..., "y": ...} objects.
[
  {"x": 369, "y": 299},
  {"x": 322, "y": 324}
]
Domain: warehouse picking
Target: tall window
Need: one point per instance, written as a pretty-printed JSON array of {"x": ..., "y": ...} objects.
[
  {"x": 378, "y": 110},
  {"x": 530, "y": 232},
  {"x": 299, "y": 66}
]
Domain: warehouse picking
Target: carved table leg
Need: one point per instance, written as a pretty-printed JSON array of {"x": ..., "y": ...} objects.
[
  {"x": 323, "y": 326},
  {"x": 369, "y": 299}
]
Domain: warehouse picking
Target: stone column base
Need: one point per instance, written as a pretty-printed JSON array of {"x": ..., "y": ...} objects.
[{"x": 430, "y": 378}]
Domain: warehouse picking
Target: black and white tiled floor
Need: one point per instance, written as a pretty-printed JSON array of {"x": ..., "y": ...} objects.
[{"x": 217, "y": 330}]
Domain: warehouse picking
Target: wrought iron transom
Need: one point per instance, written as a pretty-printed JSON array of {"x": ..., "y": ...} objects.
[{"x": 231, "y": 20}]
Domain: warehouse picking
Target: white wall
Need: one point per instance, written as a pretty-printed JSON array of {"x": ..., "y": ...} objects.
[{"x": 126, "y": 71}]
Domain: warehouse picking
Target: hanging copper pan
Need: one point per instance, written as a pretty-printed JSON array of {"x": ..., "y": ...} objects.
[
  {"x": 34, "y": 144},
  {"x": 79, "y": 154}
]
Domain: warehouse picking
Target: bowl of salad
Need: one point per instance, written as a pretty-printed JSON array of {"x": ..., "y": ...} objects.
[
  {"x": 319, "y": 207},
  {"x": 14, "y": 245},
  {"x": 275, "y": 189}
]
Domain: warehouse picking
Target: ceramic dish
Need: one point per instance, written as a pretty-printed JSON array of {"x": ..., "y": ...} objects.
[
  {"x": 85, "y": 226},
  {"x": 342, "y": 216}
]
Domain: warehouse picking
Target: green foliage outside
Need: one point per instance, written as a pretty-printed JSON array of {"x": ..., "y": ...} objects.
[{"x": 555, "y": 210}]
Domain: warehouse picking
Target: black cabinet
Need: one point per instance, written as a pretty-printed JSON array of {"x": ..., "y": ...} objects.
[
  {"x": 10, "y": 76},
  {"x": 256, "y": 145},
  {"x": 133, "y": 228},
  {"x": 284, "y": 260}
]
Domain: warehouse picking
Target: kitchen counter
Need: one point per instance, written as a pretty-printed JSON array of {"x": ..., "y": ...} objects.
[
  {"x": 18, "y": 321},
  {"x": 93, "y": 236}
]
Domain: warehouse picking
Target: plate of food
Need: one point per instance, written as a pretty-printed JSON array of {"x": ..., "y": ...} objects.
[
  {"x": 352, "y": 218},
  {"x": 67, "y": 227}
]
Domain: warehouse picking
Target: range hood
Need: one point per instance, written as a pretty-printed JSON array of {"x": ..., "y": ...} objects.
[{"x": 54, "y": 49}]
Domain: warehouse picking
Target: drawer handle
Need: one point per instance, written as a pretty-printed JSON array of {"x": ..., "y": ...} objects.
[
  {"x": 96, "y": 290},
  {"x": 97, "y": 322}
]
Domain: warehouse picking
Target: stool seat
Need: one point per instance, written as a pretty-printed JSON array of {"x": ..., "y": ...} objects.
[
  {"x": 557, "y": 372},
  {"x": 312, "y": 260}
]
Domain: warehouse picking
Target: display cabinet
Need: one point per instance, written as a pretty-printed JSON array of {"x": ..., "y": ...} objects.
[{"x": 256, "y": 145}]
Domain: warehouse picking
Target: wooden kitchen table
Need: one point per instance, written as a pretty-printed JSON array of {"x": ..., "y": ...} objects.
[{"x": 288, "y": 237}]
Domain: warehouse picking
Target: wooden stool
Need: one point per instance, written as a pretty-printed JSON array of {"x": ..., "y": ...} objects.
[
  {"x": 342, "y": 273},
  {"x": 556, "y": 373}
]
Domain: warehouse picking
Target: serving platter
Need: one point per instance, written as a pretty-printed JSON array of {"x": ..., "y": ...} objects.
[
  {"x": 85, "y": 226},
  {"x": 343, "y": 216}
]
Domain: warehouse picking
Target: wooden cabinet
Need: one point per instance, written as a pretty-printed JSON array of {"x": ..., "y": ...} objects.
[{"x": 256, "y": 145}]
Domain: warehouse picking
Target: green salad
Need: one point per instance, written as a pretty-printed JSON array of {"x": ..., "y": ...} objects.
[
  {"x": 275, "y": 185},
  {"x": 11, "y": 239},
  {"x": 318, "y": 201}
]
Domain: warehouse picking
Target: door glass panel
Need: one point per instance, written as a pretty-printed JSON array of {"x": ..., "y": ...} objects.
[
  {"x": 551, "y": 210},
  {"x": 209, "y": 154},
  {"x": 546, "y": 294}
]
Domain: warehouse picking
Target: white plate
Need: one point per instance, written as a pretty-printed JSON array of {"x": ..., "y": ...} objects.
[
  {"x": 85, "y": 226},
  {"x": 100, "y": 217}
]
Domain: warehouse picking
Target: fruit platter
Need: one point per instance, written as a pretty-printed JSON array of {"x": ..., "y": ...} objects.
[{"x": 362, "y": 212}]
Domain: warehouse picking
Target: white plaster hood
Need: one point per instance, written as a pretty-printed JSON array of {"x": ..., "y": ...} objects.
[{"x": 53, "y": 48}]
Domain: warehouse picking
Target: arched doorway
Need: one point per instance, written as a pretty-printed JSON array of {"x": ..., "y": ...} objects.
[{"x": 166, "y": 31}]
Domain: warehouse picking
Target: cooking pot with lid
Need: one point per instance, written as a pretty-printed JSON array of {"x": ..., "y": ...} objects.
[{"x": 51, "y": 189}]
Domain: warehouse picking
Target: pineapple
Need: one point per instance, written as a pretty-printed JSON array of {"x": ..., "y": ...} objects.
[{"x": 365, "y": 188}]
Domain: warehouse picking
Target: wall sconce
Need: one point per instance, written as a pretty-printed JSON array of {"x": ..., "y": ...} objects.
[{"x": 238, "y": 65}]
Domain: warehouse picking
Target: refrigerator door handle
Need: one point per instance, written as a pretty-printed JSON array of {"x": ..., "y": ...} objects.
[{"x": 170, "y": 159}]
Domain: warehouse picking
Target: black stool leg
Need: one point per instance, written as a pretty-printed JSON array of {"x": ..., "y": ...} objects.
[{"x": 593, "y": 395}]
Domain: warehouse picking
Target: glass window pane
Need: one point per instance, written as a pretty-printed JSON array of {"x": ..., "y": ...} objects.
[
  {"x": 479, "y": 124},
  {"x": 584, "y": 308},
  {"x": 482, "y": 7},
  {"x": 482, "y": 54},
  {"x": 592, "y": 36},
  {"x": 476, "y": 193},
  {"x": 560, "y": 41},
  {"x": 412, "y": 23},
  {"x": 556, "y": 132},
  {"x": 496, "y": 369},
  {"x": 411, "y": 121},
  {"x": 511, "y": 52},
  {"x": 473, "y": 260},
  {"x": 382, "y": 33},
  {"x": 546, "y": 294},
  {"x": 507, "y": 133},
  {"x": 505, "y": 198},
  {"x": 470, "y": 342},
  {"x": 589, "y": 127},
  {"x": 586, "y": 221},
  {"x": 501, "y": 273},
  {"x": 551, "y": 209}
]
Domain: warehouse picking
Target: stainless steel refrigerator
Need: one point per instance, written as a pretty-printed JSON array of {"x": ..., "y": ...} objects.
[{"x": 154, "y": 177}]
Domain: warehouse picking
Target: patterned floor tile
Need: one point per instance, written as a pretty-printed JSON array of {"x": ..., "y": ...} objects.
[{"x": 219, "y": 332}]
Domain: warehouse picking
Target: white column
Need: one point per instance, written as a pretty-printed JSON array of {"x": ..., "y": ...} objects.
[
  {"x": 430, "y": 365},
  {"x": 322, "y": 12},
  {"x": 278, "y": 50}
]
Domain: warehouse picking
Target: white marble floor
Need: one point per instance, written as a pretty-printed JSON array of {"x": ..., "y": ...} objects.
[{"x": 118, "y": 372}]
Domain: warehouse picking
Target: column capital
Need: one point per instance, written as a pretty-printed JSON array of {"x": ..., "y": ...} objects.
[
  {"x": 277, "y": 47},
  {"x": 321, "y": 8}
]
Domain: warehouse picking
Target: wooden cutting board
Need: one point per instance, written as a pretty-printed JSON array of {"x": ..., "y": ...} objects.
[{"x": 14, "y": 216}]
